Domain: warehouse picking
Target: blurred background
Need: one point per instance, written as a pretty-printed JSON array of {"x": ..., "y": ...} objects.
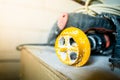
[{"x": 26, "y": 21}]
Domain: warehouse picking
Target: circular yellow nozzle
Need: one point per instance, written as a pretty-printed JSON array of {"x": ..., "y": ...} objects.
[{"x": 73, "y": 47}]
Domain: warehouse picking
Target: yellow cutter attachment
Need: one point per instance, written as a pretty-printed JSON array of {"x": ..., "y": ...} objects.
[{"x": 73, "y": 47}]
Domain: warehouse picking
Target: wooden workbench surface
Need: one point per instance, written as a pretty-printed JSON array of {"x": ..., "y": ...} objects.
[{"x": 97, "y": 68}]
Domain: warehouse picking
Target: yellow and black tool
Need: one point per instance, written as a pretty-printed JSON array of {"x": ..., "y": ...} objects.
[{"x": 73, "y": 47}]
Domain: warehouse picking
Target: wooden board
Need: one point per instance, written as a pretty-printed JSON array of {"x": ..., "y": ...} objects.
[{"x": 41, "y": 63}]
